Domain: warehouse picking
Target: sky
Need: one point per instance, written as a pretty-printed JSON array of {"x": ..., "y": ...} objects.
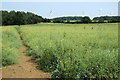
[
  {"x": 58, "y": 9},
  {"x": 59, "y": 0}
]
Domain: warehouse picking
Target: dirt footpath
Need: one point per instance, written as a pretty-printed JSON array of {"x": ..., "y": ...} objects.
[{"x": 26, "y": 68}]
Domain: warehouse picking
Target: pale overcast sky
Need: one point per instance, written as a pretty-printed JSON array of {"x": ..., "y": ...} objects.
[
  {"x": 57, "y": 9},
  {"x": 60, "y": 0}
]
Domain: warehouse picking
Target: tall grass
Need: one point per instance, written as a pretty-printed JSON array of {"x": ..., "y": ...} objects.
[
  {"x": 74, "y": 50},
  {"x": 10, "y": 45}
]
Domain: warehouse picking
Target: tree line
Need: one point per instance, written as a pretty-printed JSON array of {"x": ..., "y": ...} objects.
[
  {"x": 21, "y": 18},
  {"x": 86, "y": 19},
  {"x": 68, "y": 18},
  {"x": 108, "y": 18}
]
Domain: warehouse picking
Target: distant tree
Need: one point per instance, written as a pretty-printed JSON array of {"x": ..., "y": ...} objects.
[
  {"x": 12, "y": 17},
  {"x": 58, "y": 21},
  {"x": 46, "y": 20},
  {"x": 68, "y": 18},
  {"x": 110, "y": 19},
  {"x": 0, "y": 18},
  {"x": 5, "y": 17},
  {"x": 86, "y": 19},
  {"x": 20, "y": 18}
]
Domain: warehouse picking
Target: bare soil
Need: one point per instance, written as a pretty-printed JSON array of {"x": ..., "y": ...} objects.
[{"x": 26, "y": 68}]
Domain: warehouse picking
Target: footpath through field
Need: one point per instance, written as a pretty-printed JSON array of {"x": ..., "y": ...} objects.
[{"x": 26, "y": 68}]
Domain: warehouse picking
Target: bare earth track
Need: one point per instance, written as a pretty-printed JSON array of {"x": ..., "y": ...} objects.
[{"x": 26, "y": 68}]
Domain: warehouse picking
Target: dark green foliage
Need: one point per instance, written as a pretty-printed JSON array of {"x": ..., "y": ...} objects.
[
  {"x": 58, "y": 21},
  {"x": 5, "y": 17},
  {"x": 86, "y": 19},
  {"x": 102, "y": 18},
  {"x": 20, "y": 18},
  {"x": 46, "y": 20},
  {"x": 68, "y": 18},
  {"x": 33, "y": 19},
  {"x": 110, "y": 19}
]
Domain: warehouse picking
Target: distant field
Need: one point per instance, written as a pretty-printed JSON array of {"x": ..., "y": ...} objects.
[
  {"x": 80, "y": 20},
  {"x": 73, "y": 50}
]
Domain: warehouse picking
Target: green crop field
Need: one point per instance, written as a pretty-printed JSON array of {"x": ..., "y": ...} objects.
[{"x": 68, "y": 50}]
